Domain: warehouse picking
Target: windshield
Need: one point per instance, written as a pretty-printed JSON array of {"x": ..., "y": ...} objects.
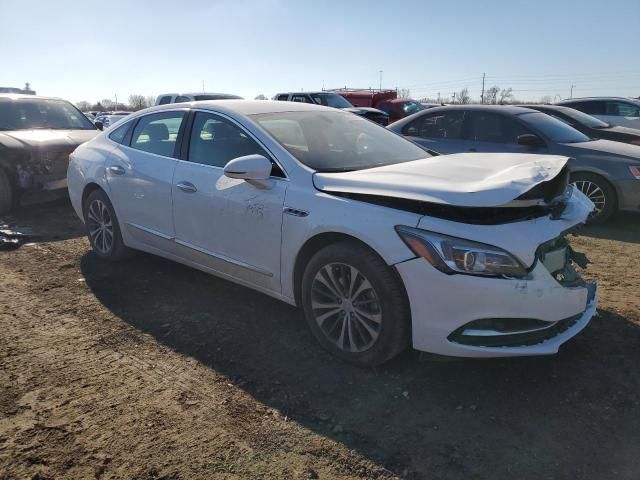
[
  {"x": 331, "y": 100},
  {"x": 25, "y": 114},
  {"x": 337, "y": 141},
  {"x": 583, "y": 118},
  {"x": 412, "y": 107},
  {"x": 553, "y": 128}
]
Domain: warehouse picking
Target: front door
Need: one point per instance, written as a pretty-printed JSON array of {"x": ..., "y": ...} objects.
[
  {"x": 140, "y": 178},
  {"x": 439, "y": 131},
  {"x": 492, "y": 132},
  {"x": 230, "y": 225}
]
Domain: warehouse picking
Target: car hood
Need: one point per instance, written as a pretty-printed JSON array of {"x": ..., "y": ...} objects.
[
  {"x": 465, "y": 180},
  {"x": 38, "y": 139},
  {"x": 608, "y": 146},
  {"x": 364, "y": 110}
]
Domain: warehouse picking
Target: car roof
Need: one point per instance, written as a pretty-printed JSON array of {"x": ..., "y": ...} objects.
[
  {"x": 582, "y": 99},
  {"x": 510, "y": 109},
  {"x": 245, "y": 107},
  {"x": 22, "y": 96}
]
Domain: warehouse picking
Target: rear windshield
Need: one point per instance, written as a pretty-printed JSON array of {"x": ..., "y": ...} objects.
[
  {"x": 38, "y": 113},
  {"x": 412, "y": 107},
  {"x": 584, "y": 119},
  {"x": 553, "y": 128},
  {"x": 331, "y": 100},
  {"x": 337, "y": 141}
]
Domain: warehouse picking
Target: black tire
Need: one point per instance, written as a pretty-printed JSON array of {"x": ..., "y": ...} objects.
[
  {"x": 600, "y": 192},
  {"x": 389, "y": 301},
  {"x": 7, "y": 199},
  {"x": 116, "y": 250}
]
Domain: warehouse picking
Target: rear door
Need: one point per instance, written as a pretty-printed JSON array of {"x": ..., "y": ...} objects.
[
  {"x": 440, "y": 131},
  {"x": 229, "y": 225},
  {"x": 140, "y": 177},
  {"x": 495, "y": 132}
]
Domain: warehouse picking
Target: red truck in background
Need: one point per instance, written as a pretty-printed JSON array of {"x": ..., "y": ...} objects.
[{"x": 385, "y": 100}]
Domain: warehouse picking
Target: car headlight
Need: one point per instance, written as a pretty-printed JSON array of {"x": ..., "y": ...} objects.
[
  {"x": 456, "y": 255},
  {"x": 635, "y": 171}
]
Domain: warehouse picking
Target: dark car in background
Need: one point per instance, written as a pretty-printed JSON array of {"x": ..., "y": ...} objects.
[
  {"x": 590, "y": 126},
  {"x": 607, "y": 172},
  {"x": 330, "y": 99},
  {"x": 37, "y": 134}
]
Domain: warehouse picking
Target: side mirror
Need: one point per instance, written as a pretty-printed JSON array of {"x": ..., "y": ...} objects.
[
  {"x": 249, "y": 167},
  {"x": 530, "y": 140}
]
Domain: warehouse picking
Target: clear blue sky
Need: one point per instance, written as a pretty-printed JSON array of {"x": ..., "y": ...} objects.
[{"x": 90, "y": 50}]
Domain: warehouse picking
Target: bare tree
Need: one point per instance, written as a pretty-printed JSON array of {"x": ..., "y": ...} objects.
[
  {"x": 506, "y": 94},
  {"x": 151, "y": 101},
  {"x": 261, "y": 97},
  {"x": 137, "y": 102},
  {"x": 106, "y": 103},
  {"x": 463, "y": 96},
  {"x": 491, "y": 95},
  {"x": 404, "y": 93},
  {"x": 83, "y": 105}
]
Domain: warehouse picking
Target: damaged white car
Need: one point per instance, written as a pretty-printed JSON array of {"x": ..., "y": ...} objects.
[{"x": 381, "y": 243}]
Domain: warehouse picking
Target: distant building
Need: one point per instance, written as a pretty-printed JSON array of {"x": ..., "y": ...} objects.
[{"x": 25, "y": 91}]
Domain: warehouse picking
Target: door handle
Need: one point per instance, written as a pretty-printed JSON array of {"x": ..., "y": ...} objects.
[
  {"x": 116, "y": 170},
  {"x": 187, "y": 187}
]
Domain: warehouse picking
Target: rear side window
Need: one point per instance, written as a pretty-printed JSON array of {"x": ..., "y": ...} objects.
[
  {"x": 283, "y": 97},
  {"x": 446, "y": 125},
  {"x": 494, "y": 128},
  {"x": 623, "y": 109},
  {"x": 595, "y": 107},
  {"x": 182, "y": 98},
  {"x": 301, "y": 99},
  {"x": 164, "y": 100},
  {"x": 158, "y": 133},
  {"x": 120, "y": 133}
]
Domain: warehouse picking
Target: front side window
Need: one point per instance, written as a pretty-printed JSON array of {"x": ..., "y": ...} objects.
[
  {"x": 553, "y": 128},
  {"x": 593, "y": 107},
  {"x": 25, "y": 114},
  {"x": 623, "y": 109},
  {"x": 494, "y": 128},
  {"x": 182, "y": 98},
  {"x": 300, "y": 99},
  {"x": 215, "y": 141},
  {"x": 334, "y": 141},
  {"x": 445, "y": 125},
  {"x": 158, "y": 133}
]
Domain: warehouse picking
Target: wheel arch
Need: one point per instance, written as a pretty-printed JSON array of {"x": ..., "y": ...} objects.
[
  {"x": 314, "y": 244},
  {"x": 602, "y": 174},
  {"x": 89, "y": 188}
]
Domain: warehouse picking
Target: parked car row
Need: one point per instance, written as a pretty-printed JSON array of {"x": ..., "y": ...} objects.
[{"x": 606, "y": 171}]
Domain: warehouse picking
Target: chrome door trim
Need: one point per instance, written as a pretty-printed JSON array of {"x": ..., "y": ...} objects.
[
  {"x": 224, "y": 258},
  {"x": 151, "y": 231}
]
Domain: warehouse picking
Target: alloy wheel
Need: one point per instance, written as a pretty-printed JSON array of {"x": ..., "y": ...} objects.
[
  {"x": 593, "y": 193},
  {"x": 100, "y": 226},
  {"x": 346, "y": 307}
]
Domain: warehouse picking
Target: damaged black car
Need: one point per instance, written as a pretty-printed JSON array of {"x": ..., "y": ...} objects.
[{"x": 37, "y": 134}]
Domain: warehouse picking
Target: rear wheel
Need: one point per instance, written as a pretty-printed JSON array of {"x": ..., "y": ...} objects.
[
  {"x": 103, "y": 228},
  {"x": 6, "y": 193},
  {"x": 600, "y": 192},
  {"x": 355, "y": 304}
]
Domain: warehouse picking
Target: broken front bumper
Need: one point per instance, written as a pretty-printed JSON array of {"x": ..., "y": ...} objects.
[{"x": 443, "y": 307}]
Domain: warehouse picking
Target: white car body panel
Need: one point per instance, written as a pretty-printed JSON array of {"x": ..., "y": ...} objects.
[
  {"x": 466, "y": 179},
  {"x": 252, "y": 232}
]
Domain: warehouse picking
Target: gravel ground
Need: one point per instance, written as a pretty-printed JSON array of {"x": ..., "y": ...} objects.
[{"x": 151, "y": 370}]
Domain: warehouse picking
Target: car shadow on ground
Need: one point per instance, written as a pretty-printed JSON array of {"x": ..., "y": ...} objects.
[
  {"x": 622, "y": 227},
  {"x": 574, "y": 415},
  {"x": 45, "y": 222}
]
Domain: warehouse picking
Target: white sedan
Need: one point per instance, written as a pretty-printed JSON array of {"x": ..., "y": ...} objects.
[{"x": 383, "y": 244}]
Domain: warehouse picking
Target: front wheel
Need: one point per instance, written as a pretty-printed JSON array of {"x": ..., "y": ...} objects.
[
  {"x": 103, "y": 228},
  {"x": 600, "y": 192},
  {"x": 355, "y": 304}
]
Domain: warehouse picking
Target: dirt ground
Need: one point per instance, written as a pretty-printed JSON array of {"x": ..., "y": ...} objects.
[{"x": 151, "y": 370}]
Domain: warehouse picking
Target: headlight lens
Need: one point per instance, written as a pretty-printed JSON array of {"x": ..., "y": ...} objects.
[
  {"x": 456, "y": 255},
  {"x": 635, "y": 171}
]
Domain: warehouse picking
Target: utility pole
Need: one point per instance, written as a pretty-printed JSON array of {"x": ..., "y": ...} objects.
[
  {"x": 482, "y": 94},
  {"x": 116, "y": 95},
  {"x": 380, "y": 71},
  {"x": 439, "y": 101},
  {"x": 453, "y": 97},
  {"x": 571, "y": 96}
]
